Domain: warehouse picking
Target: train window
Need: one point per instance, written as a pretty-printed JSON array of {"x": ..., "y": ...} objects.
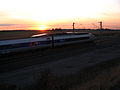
[
  {"x": 45, "y": 42},
  {"x": 48, "y": 38},
  {"x": 39, "y": 43},
  {"x": 59, "y": 41}
]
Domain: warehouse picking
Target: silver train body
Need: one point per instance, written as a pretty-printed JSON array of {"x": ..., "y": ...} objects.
[{"x": 44, "y": 40}]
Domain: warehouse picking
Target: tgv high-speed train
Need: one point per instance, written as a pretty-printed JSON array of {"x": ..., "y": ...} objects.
[{"x": 44, "y": 40}]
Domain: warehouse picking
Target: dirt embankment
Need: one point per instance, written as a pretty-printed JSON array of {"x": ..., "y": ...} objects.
[{"x": 105, "y": 76}]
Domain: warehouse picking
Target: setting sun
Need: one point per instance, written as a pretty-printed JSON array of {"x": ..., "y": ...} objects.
[
  {"x": 58, "y": 13},
  {"x": 43, "y": 27}
]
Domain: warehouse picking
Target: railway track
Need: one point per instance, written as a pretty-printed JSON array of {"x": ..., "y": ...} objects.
[{"x": 15, "y": 61}]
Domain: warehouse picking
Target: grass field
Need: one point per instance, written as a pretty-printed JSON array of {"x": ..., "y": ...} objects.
[
  {"x": 5, "y": 35},
  {"x": 104, "y": 76}
]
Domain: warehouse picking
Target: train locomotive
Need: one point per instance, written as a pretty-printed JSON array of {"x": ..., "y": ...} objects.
[{"x": 44, "y": 40}]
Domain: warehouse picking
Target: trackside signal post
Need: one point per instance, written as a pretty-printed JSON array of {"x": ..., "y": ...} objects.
[
  {"x": 52, "y": 40},
  {"x": 101, "y": 26},
  {"x": 73, "y": 27}
]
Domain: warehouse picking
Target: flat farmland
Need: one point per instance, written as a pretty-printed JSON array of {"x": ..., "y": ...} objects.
[
  {"x": 6, "y": 35},
  {"x": 87, "y": 67}
]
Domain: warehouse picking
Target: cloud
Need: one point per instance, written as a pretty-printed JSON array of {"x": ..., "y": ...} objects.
[
  {"x": 118, "y": 1},
  {"x": 7, "y": 24},
  {"x": 116, "y": 14}
]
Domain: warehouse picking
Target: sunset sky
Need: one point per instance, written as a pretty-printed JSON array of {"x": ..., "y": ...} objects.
[{"x": 45, "y": 14}]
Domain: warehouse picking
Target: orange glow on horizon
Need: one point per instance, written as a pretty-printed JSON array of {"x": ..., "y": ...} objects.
[
  {"x": 42, "y": 27},
  {"x": 58, "y": 14}
]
